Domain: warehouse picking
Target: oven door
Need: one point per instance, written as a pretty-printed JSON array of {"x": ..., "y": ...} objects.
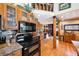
[
  {"x": 31, "y": 50},
  {"x": 34, "y": 49}
]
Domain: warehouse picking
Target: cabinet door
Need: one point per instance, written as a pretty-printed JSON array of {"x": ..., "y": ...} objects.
[
  {"x": 1, "y": 15},
  {"x": 17, "y": 53},
  {"x": 19, "y": 14},
  {"x": 36, "y": 54},
  {"x": 10, "y": 17}
]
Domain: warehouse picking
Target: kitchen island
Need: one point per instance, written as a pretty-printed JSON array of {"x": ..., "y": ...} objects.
[{"x": 76, "y": 45}]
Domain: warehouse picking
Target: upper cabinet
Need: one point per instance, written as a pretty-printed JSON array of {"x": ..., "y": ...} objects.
[
  {"x": 11, "y": 20},
  {"x": 11, "y": 14},
  {"x": 10, "y": 17}
]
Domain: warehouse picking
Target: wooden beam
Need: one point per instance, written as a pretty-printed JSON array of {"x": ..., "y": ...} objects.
[
  {"x": 59, "y": 29},
  {"x": 36, "y": 6},
  {"x": 39, "y": 7},
  {"x": 46, "y": 7},
  {"x": 54, "y": 31},
  {"x": 43, "y": 7}
]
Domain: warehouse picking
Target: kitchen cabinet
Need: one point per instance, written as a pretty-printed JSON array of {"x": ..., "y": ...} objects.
[
  {"x": 16, "y": 53},
  {"x": 10, "y": 17},
  {"x": 19, "y": 15},
  {"x": 1, "y": 15},
  {"x": 11, "y": 14},
  {"x": 68, "y": 37},
  {"x": 37, "y": 54}
]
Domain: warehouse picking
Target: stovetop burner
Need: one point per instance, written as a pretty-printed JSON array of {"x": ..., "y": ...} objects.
[{"x": 27, "y": 44}]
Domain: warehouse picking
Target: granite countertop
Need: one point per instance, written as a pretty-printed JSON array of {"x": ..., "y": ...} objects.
[
  {"x": 76, "y": 44},
  {"x": 5, "y": 49}
]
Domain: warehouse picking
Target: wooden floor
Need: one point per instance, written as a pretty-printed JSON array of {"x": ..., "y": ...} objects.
[{"x": 63, "y": 48}]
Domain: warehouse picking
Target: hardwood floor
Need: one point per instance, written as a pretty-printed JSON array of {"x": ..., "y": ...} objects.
[{"x": 62, "y": 49}]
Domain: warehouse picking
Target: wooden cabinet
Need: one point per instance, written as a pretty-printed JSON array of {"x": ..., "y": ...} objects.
[
  {"x": 19, "y": 15},
  {"x": 10, "y": 17},
  {"x": 11, "y": 14},
  {"x": 36, "y": 54},
  {"x": 69, "y": 36},
  {"x": 1, "y": 15},
  {"x": 16, "y": 53}
]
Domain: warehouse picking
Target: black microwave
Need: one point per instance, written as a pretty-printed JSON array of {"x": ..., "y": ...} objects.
[{"x": 26, "y": 27}]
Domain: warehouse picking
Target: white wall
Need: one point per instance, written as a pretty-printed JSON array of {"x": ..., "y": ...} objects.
[{"x": 73, "y": 7}]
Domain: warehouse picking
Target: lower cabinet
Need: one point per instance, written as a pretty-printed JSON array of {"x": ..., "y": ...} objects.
[
  {"x": 16, "y": 53},
  {"x": 9, "y": 54},
  {"x": 36, "y": 54},
  {"x": 68, "y": 37}
]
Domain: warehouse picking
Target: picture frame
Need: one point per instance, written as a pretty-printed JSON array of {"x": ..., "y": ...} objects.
[{"x": 63, "y": 6}]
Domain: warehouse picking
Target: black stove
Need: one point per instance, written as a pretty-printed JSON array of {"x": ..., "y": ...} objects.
[
  {"x": 28, "y": 42},
  {"x": 25, "y": 44}
]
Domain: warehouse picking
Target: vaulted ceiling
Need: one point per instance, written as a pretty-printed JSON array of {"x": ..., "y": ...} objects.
[
  {"x": 44, "y": 17},
  {"x": 43, "y": 12}
]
